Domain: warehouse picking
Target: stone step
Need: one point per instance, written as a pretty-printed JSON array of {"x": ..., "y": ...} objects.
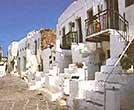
[
  {"x": 82, "y": 104},
  {"x": 52, "y": 93},
  {"x": 111, "y": 69},
  {"x": 99, "y": 86},
  {"x": 100, "y": 76},
  {"x": 95, "y": 96},
  {"x": 111, "y": 61},
  {"x": 51, "y": 80},
  {"x": 112, "y": 78},
  {"x": 113, "y": 86},
  {"x": 95, "y": 106}
]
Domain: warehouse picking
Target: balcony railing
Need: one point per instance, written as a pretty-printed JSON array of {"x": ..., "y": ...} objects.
[
  {"x": 68, "y": 39},
  {"x": 107, "y": 19}
]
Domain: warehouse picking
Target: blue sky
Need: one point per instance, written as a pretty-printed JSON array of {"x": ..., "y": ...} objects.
[{"x": 18, "y": 17}]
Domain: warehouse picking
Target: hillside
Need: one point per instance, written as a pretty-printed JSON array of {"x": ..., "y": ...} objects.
[{"x": 48, "y": 37}]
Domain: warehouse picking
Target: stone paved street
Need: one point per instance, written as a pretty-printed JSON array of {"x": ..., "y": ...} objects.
[{"x": 14, "y": 95}]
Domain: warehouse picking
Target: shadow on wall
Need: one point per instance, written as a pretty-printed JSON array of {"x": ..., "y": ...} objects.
[{"x": 127, "y": 94}]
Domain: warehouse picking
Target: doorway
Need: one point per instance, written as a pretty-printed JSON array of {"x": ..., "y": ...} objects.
[
  {"x": 19, "y": 66},
  {"x": 113, "y": 15},
  {"x": 112, "y": 4},
  {"x": 24, "y": 63},
  {"x": 63, "y": 37},
  {"x": 35, "y": 47},
  {"x": 79, "y": 30},
  {"x": 40, "y": 66}
]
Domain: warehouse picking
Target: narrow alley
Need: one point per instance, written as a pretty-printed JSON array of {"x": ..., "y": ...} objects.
[{"x": 15, "y": 95}]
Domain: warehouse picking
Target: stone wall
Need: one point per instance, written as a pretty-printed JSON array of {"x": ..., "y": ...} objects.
[{"x": 48, "y": 37}]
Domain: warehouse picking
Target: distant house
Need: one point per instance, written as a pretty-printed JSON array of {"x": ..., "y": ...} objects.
[
  {"x": 12, "y": 56},
  {"x": 36, "y": 52}
]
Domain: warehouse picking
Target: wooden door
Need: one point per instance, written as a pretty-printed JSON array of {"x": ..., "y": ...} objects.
[
  {"x": 114, "y": 14},
  {"x": 79, "y": 30}
]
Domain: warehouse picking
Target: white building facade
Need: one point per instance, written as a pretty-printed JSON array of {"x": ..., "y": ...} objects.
[
  {"x": 97, "y": 32},
  {"x": 12, "y": 56},
  {"x": 28, "y": 53},
  {"x": 78, "y": 24}
]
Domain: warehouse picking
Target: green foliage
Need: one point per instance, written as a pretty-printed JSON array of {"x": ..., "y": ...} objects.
[{"x": 127, "y": 61}]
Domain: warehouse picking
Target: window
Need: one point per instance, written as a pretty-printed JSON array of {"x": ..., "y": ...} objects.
[
  {"x": 18, "y": 53},
  {"x": 63, "y": 31},
  {"x": 24, "y": 63},
  {"x": 50, "y": 57},
  {"x": 129, "y": 2},
  {"x": 100, "y": 8},
  {"x": 90, "y": 13},
  {"x": 71, "y": 26},
  {"x": 50, "y": 62},
  {"x": 54, "y": 58},
  {"x": 38, "y": 43},
  {"x": 59, "y": 32},
  {"x": 35, "y": 47},
  {"x": 108, "y": 53},
  {"x": 28, "y": 46}
]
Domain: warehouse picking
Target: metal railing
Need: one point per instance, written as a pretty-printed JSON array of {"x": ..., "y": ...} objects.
[
  {"x": 68, "y": 39},
  {"x": 116, "y": 63},
  {"x": 107, "y": 19}
]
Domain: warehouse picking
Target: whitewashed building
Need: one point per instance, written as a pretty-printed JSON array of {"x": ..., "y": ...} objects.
[
  {"x": 12, "y": 56},
  {"x": 98, "y": 33},
  {"x": 29, "y": 53},
  {"x": 3, "y": 63},
  {"x": 74, "y": 26},
  {"x": 94, "y": 24}
]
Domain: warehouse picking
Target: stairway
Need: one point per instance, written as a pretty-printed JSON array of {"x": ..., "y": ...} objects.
[
  {"x": 108, "y": 83},
  {"x": 106, "y": 79}
]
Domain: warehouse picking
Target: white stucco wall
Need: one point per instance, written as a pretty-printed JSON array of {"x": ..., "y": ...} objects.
[
  {"x": 27, "y": 49},
  {"x": 77, "y": 9},
  {"x": 12, "y": 55},
  {"x": 48, "y": 57},
  {"x": 30, "y": 49},
  {"x": 21, "y": 54},
  {"x": 130, "y": 19},
  {"x": 116, "y": 45},
  {"x": 12, "y": 50},
  {"x": 121, "y": 6}
]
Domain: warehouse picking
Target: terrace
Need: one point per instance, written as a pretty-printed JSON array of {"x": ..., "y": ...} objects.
[
  {"x": 97, "y": 27},
  {"x": 68, "y": 39}
]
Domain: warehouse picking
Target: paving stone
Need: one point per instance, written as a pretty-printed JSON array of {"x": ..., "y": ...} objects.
[
  {"x": 42, "y": 106},
  {"x": 32, "y": 102},
  {"x": 33, "y": 107},
  {"x": 8, "y": 106},
  {"x": 2, "y": 107},
  {"x": 19, "y": 104},
  {"x": 14, "y": 95}
]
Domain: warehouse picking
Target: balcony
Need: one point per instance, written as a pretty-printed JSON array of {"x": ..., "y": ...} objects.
[
  {"x": 99, "y": 25},
  {"x": 68, "y": 39}
]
